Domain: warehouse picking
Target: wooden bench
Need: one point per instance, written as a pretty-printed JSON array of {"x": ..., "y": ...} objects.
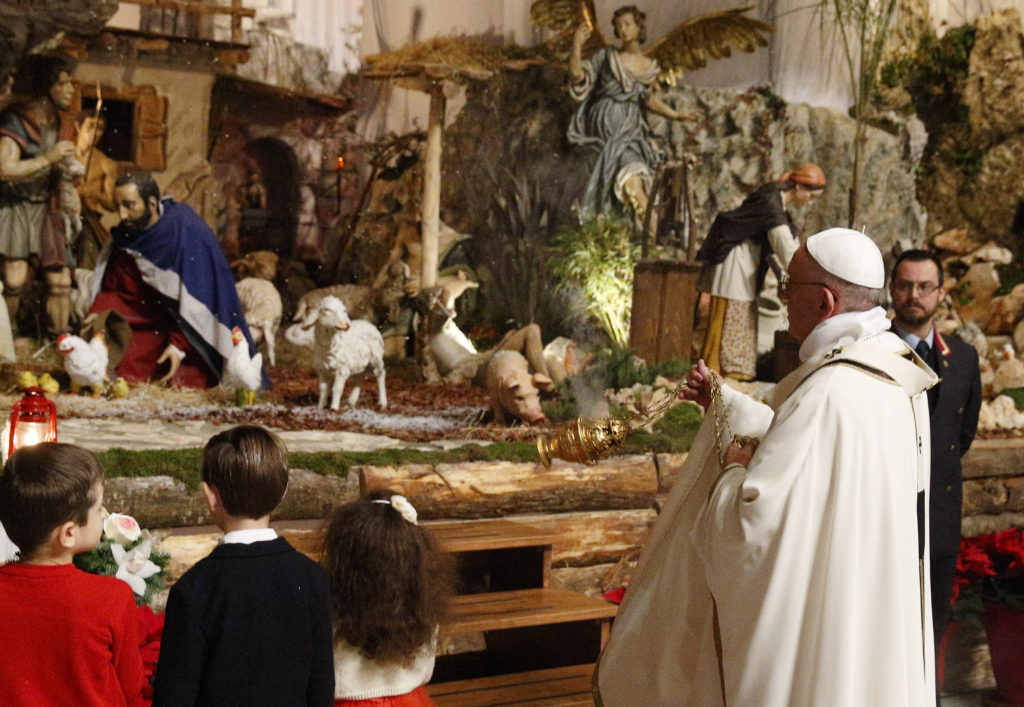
[
  {"x": 555, "y": 687},
  {"x": 494, "y": 554},
  {"x": 496, "y": 611}
]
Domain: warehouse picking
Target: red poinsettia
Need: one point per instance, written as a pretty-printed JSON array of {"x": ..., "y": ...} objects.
[{"x": 989, "y": 570}]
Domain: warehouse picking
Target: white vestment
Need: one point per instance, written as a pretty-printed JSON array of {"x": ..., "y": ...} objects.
[{"x": 811, "y": 554}]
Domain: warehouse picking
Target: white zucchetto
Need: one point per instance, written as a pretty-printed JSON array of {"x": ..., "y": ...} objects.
[{"x": 849, "y": 255}]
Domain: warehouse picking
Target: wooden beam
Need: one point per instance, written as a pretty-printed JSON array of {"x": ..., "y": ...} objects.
[
  {"x": 431, "y": 214},
  {"x": 491, "y": 489},
  {"x": 236, "y": 10}
]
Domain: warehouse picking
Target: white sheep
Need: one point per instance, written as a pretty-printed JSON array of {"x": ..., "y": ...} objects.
[
  {"x": 261, "y": 305},
  {"x": 345, "y": 348},
  {"x": 358, "y": 300}
]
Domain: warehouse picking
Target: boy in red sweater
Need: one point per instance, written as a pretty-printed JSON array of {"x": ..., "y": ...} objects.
[{"x": 67, "y": 637}]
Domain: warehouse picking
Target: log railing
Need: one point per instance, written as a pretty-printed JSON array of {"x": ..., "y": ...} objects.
[{"x": 200, "y": 9}]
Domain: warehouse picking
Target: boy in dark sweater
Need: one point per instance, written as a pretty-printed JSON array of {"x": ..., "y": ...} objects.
[{"x": 249, "y": 624}]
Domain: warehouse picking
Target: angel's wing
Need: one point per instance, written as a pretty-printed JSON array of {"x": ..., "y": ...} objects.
[
  {"x": 714, "y": 36},
  {"x": 564, "y": 16}
]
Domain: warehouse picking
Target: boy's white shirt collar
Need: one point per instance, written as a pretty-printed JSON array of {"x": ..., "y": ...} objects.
[{"x": 247, "y": 537}]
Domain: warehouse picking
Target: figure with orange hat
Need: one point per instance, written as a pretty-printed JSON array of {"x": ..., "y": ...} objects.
[{"x": 735, "y": 260}]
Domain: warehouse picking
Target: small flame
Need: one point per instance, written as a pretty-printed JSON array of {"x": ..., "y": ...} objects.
[{"x": 341, "y": 163}]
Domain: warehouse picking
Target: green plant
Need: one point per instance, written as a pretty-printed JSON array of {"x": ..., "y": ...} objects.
[
  {"x": 597, "y": 256},
  {"x": 863, "y": 29}
]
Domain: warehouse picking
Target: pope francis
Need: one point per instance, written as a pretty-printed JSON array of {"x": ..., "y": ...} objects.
[{"x": 788, "y": 567}]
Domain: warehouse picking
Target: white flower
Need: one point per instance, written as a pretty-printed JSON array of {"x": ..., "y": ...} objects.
[
  {"x": 122, "y": 529},
  {"x": 134, "y": 566},
  {"x": 404, "y": 508}
]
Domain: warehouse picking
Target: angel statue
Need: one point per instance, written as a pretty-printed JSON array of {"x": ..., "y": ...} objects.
[{"x": 618, "y": 86}]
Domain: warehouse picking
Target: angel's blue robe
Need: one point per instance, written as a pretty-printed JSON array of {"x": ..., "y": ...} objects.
[{"x": 612, "y": 122}]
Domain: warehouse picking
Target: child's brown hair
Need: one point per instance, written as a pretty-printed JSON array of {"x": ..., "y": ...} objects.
[
  {"x": 44, "y": 486},
  {"x": 248, "y": 466},
  {"x": 390, "y": 581}
]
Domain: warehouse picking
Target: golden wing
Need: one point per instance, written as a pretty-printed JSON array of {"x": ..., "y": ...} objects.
[
  {"x": 714, "y": 36},
  {"x": 564, "y": 16}
]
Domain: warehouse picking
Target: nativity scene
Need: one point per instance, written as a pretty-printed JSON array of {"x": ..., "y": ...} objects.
[{"x": 692, "y": 341}]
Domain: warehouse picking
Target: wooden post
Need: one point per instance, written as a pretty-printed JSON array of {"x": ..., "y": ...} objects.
[
  {"x": 431, "y": 214},
  {"x": 236, "y": 21}
]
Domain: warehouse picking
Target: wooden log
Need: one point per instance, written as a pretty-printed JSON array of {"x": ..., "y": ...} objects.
[
  {"x": 491, "y": 489},
  {"x": 994, "y": 457},
  {"x": 156, "y": 501},
  {"x": 592, "y": 538},
  {"x": 669, "y": 466},
  {"x": 185, "y": 549}
]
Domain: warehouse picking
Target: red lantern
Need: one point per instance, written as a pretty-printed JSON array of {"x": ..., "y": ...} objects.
[{"x": 33, "y": 420}]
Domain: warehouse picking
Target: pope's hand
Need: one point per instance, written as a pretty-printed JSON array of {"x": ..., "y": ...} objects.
[
  {"x": 737, "y": 454},
  {"x": 169, "y": 354},
  {"x": 698, "y": 385}
]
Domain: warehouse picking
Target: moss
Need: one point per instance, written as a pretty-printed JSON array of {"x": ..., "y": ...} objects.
[
  {"x": 1017, "y": 394},
  {"x": 618, "y": 368},
  {"x": 934, "y": 76},
  {"x": 1010, "y": 276},
  {"x": 183, "y": 464},
  {"x": 672, "y": 434}
]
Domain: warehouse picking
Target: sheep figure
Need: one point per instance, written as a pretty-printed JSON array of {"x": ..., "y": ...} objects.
[
  {"x": 258, "y": 263},
  {"x": 262, "y": 308},
  {"x": 345, "y": 348},
  {"x": 358, "y": 299}
]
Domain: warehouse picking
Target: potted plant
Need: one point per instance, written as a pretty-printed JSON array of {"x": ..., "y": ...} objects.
[{"x": 989, "y": 588}]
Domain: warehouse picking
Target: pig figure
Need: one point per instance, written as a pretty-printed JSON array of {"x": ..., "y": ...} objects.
[{"x": 513, "y": 389}]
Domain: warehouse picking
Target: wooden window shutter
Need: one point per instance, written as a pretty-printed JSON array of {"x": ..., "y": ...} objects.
[{"x": 151, "y": 132}]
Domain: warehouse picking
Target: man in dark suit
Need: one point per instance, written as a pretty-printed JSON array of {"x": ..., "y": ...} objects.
[{"x": 917, "y": 288}]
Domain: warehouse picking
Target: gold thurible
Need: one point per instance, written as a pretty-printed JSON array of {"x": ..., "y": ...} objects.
[{"x": 583, "y": 440}]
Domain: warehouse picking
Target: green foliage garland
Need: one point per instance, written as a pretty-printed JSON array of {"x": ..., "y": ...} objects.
[{"x": 101, "y": 561}]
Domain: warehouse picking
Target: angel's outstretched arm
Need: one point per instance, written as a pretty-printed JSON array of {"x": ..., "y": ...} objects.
[{"x": 579, "y": 38}]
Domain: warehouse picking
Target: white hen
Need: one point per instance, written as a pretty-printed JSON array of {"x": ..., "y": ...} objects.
[
  {"x": 85, "y": 363},
  {"x": 241, "y": 372}
]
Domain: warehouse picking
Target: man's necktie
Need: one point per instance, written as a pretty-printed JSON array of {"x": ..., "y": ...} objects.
[{"x": 924, "y": 351}]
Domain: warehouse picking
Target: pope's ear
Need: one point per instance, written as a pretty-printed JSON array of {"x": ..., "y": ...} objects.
[{"x": 828, "y": 304}]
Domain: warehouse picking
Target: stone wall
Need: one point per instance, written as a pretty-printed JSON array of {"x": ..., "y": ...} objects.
[
  {"x": 741, "y": 141},
  {"x": 969, "y": 90}
]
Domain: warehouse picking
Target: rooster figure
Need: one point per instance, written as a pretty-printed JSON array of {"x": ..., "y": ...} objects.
[
  {"x": 241, "y": 372},
  {"x": 85, "y": 362}
]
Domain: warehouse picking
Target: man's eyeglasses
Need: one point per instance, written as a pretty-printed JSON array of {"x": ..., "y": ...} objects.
[
  {"x": 786, "y": 286},
  {"x": 908, "y": 288}
]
